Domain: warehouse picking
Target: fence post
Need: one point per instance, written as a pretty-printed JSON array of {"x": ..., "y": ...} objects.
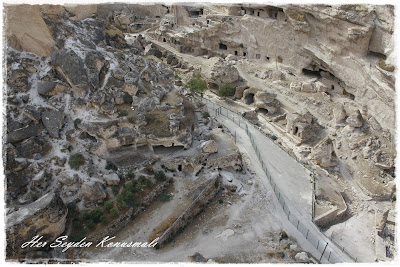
[
  {"x": 307, "y": 233},
  {"x": 329, "y": 255},
  {"x": 323, "y": 251},
  {"x": 298, "y": 228}
]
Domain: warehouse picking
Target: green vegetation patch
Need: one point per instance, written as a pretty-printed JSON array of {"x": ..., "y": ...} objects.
[
  {"x": 160, "y": 176},
  {"x": 76, "y": 160},
  {"x": 127, "y": 98},
  {"x": 196, "y": 85},
  {"x": 226, "y": 89},
  {"x": 165, "y": 197}
]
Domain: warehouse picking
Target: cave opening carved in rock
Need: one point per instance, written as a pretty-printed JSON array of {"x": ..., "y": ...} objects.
[{"x": 249, "y": 99}]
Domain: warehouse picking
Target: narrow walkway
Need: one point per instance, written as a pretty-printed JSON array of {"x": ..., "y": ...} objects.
[
  {"x": 293, "y": 181},
  {"x": 199, "y": 118}
]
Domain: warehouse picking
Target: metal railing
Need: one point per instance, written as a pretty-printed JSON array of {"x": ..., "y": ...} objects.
[{"x": 311, "y": 234}]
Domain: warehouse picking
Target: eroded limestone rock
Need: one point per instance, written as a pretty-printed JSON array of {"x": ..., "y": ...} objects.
[
  {"x": 266, "y": 102},
  {"x": 355, "y": 120},
  {"x": 45, "y": 217},
  {"x": 209, "y": 147},
  {"x": 93, "y": 191},
  {"x": 302, "y": 257},
  {"x": 111, "y": 179},
  {"x": 300, "y": 125},
  {"x": 52, "y": 120},
  {"x": 324, "y": 154},
  {"x": 339, "y": 113}
]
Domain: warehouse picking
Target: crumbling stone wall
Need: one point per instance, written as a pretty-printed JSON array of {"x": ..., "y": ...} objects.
[
  {"x": 190, "y": 213},
  {"x": 233, "y": 160},
  {"x": 332, "y": 216},
  {"x": 133, "y": 212}
]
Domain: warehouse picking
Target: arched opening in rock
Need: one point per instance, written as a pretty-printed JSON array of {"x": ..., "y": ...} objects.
[
  {"x": 179, "y": 168},
  {"x": 311, "y": 73},
  {"x": 223, "y": 46},
  {"x": 249, "y": 99},
  {"x": 244, "y": 54},
  {"x": 164, "y": 40},
  {"x": 195, "y": 13},
  {"x": 263, "y": 111},
  {"x": 266, "y": 58},
  {"x": 332, "y": 87},
  {"x": 236, "y": 53},
  {"x": 377, "y": 55},
  {"x": 213, "y": 86}
]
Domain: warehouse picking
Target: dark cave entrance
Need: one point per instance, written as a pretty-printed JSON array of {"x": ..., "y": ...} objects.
[
  {"x": 223, "y": 46},
  {"x": 249, "y": 99},
  {"x": 311, "y": 73},
  {"x": 263, "y": 111},
  {"x": 296, "y": 130}
]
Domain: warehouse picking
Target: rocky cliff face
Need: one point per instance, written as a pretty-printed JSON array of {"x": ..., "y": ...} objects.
[
  {"x": 74, "y": 88},
  {"x": 351, "y": 46},
  {"x": 45, "y": 217}
]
